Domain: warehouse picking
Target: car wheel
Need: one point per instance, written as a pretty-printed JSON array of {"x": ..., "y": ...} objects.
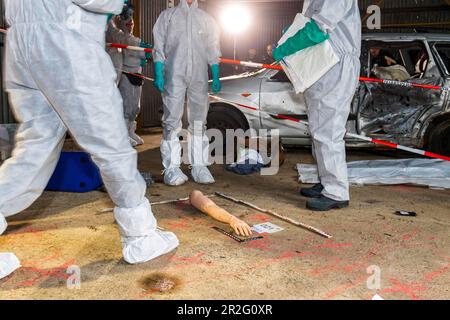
[
  {"x": 439, "y": 139},
  {"x": 223, "y": 117}
]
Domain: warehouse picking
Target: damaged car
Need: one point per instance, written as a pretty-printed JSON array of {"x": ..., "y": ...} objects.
[{"x": 420, "y": 118}]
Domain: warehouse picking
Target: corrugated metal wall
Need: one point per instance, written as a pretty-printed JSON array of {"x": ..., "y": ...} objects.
[
  {"x": 151, "y": 100},
  {"x": 5, "y": 113},
  {"x": 412, "y": 15},
  {"x": 269, "y": 20}
]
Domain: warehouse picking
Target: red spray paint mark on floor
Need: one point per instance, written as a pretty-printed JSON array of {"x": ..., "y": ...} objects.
[{"x": 409, "y": 289}]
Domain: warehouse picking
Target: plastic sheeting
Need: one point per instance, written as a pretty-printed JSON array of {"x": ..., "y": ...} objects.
[{"x": 423, "y": 172}]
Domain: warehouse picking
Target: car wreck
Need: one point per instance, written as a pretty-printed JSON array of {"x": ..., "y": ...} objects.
[{"x": 409, "y": 116}]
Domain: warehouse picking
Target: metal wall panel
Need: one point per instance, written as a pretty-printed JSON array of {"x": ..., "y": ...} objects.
[
  {"x": 5, "y": 112},
  {"x": 151, "y": 99},
  {"x": 268, "y": 20},
  {"x": 412, "y": 15}
]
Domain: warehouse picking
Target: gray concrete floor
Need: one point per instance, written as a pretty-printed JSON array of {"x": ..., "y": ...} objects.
[{"x": 412, "y": 254}]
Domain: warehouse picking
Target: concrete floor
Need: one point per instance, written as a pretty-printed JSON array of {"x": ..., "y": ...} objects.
[{"x": 413, "y": 254}]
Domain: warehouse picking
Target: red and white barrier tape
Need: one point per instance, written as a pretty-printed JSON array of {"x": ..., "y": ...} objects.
[
  {"x": 276, "y": 67},
  {"x": 348, "y": 134}
]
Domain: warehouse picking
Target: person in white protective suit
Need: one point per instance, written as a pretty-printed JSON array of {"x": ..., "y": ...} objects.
[
  {"x": 187, "y": 40},
  {"x": 130, "y": 85},
  {"x": 329, "y": 99},
  {"x": 115, "y": 35},
  {"x": 60, "y": 78}
]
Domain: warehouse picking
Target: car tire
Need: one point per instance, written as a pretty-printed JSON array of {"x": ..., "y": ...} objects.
[
  {"x": 223, "y": 117},
  {"x": 439, "y": 139}
]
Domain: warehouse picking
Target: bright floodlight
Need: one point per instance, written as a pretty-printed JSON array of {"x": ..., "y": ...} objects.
[{"x": 236, "y": 19}]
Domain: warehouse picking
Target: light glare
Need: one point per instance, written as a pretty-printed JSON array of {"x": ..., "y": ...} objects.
[{"x": 236, "y": 19}]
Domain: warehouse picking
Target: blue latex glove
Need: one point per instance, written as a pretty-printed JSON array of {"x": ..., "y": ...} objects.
[
  {"x": 309, "y": 36},
  {"x": 216, "y": 85},
  {"x": 159, "y": 76},
  {"x": 148, "y": 55}
]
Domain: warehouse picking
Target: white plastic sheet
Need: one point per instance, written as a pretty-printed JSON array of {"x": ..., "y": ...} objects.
[
  {"x": 306, "y": 67},
  {"x": 423, "y": 172},
  {"x": 8, "y": 264}
]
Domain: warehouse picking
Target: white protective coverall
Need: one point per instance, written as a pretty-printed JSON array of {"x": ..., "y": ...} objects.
[
  {"x": 187, "y": 40},
  {"x": 60, "y": 78},
  {"x": 115, "y": 35},
  {"x": 131, "y": 94},
  {"x": 330, "y": 98}
]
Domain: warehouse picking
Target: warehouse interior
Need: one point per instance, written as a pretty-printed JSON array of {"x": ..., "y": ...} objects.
[{"x": 410, "y": 254}]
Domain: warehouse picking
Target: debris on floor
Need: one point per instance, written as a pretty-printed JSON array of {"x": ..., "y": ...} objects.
[
  {"x": 424, "y": 172},
  {"x": 267, "y": 227},
  {"x": 8, "y": 264},
  {"x": 406, "y": 213},
  {"x": 236, "y": 238},
  {"x": 148, "y": 177},
  {"x": 250, "y": 161},
  {"x": 277, "y": 215}
]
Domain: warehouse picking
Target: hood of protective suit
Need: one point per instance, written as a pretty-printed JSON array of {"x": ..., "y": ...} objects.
[{"x": 184, "y": 4}]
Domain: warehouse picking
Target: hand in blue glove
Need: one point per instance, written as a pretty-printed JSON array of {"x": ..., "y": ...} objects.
[
  {"x": 145, "y": 45},
  {"x": 216, "y": 85},
  {"x": 148, "y": 55},
  {"x": 159, "y": 76},
  {"x": 309, "y": 36},
  {"x": 110, "y": 16}
]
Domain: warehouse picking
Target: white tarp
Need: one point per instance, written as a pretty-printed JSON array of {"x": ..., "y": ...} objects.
[
  {"x": 8, "y": 264},
  {"x": 424, "y": 172},
  {"x": 306, "y": 67}
]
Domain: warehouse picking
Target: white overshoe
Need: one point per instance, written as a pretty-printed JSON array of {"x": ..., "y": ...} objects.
[
  {"x": 202, "y": 175},
  {"x": 133, "y": 136},
  {"x": 143, "y": 249},
  {"x": 133, "y": 143},
  {"x": 174, "y": 177}
]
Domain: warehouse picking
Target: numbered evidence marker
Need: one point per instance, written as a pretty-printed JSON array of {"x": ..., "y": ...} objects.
[{"x": 267, "y": 227}]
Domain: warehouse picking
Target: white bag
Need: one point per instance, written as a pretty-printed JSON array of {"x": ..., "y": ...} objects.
[{"x": 306, "y": 67}]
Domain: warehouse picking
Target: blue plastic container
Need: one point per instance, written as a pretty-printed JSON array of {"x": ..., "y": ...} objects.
[{"x": 75, "y": 172}]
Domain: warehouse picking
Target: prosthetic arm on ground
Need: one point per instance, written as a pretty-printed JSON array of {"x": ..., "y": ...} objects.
[{"x": 204, "y": 204}]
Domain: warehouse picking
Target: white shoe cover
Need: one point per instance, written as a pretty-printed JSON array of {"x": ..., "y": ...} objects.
[
  {"x": 141, "y": 241},
  {"x": 202, "y": 175},
  {"x": 143, "y": 249},
  {"x": 8, "y": 264},
  {"x": 3, "y": 224},
  {"x": 133, "y": 136},
  {"x": 133, "y": 143},
  {"x": 174, "y": 177}
]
